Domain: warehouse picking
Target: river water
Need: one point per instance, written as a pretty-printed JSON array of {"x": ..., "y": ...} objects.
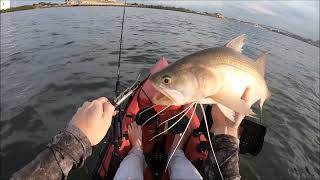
[{"x": 54, "y": 59}]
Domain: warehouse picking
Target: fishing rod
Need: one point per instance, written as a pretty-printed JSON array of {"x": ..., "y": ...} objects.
[
  {"x": 120, "y": 50},
  {"x": 117, "y": 121},
  {"x": 119, "y": 98}
]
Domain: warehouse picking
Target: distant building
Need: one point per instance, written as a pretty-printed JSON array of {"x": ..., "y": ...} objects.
[
  {"x": 96, "y": 1},
  {"x": 5, "y": 4},
  {"x": 89, "y": 2},
  {"x": 72, "y": 2}
]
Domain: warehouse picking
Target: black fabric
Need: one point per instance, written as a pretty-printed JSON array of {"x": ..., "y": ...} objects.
[
  {"x": 252, "y": 137},
  {"x": 180, "y": 126},
  {"x": 157, "y": 159},
  {"x": 144, "y": 114},
  {"x": 209, "y": 119}
]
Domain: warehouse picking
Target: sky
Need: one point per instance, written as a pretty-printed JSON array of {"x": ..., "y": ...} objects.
[{"x": 299, "y": 17}]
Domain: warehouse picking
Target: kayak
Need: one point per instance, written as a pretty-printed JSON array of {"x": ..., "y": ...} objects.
[{"x": 140, "y": 108}]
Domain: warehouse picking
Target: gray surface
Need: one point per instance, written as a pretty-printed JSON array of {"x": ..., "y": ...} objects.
[{"x": 54, "y": 59}]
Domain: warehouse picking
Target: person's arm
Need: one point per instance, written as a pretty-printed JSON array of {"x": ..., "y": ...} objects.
[
  {"x": 224, "y": 134},
  {"x": 226, "y": 149},
  {"x": 71, "y": 147}
]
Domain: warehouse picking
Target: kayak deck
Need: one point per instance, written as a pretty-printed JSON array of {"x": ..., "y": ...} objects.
[{"x": 140, "y": 100}]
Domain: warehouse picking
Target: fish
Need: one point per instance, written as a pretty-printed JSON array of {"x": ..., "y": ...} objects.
[{"x": 216, "y": 75}]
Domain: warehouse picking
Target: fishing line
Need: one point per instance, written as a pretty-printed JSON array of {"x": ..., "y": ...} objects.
[
  {"x": 174, "y": 116},
  {"x": 155, "y": 115},
  {"x": 147, "y": 109},
  {"x": 120, "y": 50},
  {"x": 174, "y": 123},
  {"x": 185, "y": 130},
  {"x": 209, "y": 138}
]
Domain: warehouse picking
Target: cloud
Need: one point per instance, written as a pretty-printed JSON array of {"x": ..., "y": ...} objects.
[
  {"x": 257, "y": 8},
  {"x": 300, "y": 17}
]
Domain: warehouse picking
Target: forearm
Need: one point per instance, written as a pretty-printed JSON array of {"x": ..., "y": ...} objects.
[
  {"x": 226, "y": 149},
  {"x": 69, "y": 148},
  {"x": 44, "y": 166}
]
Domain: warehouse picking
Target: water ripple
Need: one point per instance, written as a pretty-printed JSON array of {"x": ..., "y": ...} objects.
[{"x": 52, "y": 60}]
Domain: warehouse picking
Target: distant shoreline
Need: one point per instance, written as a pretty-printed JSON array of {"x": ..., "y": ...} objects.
[
  {"x": 221, "y": 16},
  {"x": 40, "y": 5},
  {"x": 215, "y": 15}
]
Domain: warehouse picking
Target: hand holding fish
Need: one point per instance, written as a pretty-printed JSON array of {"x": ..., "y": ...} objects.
[
  {"x": 223, "y": 125},
  {"x": 219, "y": 76}
]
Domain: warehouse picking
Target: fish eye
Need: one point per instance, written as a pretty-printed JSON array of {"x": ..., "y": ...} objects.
[{"x": 166, "y": 79}]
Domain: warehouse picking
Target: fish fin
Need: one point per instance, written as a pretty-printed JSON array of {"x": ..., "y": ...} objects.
[
  {"x": 234, "y": 103},
  {"x": 228, "y": 113},
  {"x": 207, "y": 101},
  {"x": 236, "y": 43},
  {"x": 252, "y": 114},
  {"x": 262, "y": 100},
  {"x": 261, "y": 62}
]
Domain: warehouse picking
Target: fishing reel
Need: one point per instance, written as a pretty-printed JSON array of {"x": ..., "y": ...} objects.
[{"x": 251, "y": 135}]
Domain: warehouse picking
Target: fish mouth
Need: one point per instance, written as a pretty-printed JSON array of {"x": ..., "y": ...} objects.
[{"x": 163, "y": 97}]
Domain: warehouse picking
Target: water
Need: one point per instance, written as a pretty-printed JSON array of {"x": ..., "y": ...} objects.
[{"x": 54, "y": 59}]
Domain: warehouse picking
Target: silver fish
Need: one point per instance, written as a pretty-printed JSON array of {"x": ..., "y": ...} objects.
[{"x": 214, "y": 76}]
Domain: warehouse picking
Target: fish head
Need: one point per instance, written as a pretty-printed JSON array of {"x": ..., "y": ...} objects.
[{"x": 178, "y": 85}]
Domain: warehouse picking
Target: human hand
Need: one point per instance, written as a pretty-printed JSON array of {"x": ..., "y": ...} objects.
[
  {"x": 135, "y": 134},
  {"x": 94, "y": 119},
  {"x": 222, "y": 125}
]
